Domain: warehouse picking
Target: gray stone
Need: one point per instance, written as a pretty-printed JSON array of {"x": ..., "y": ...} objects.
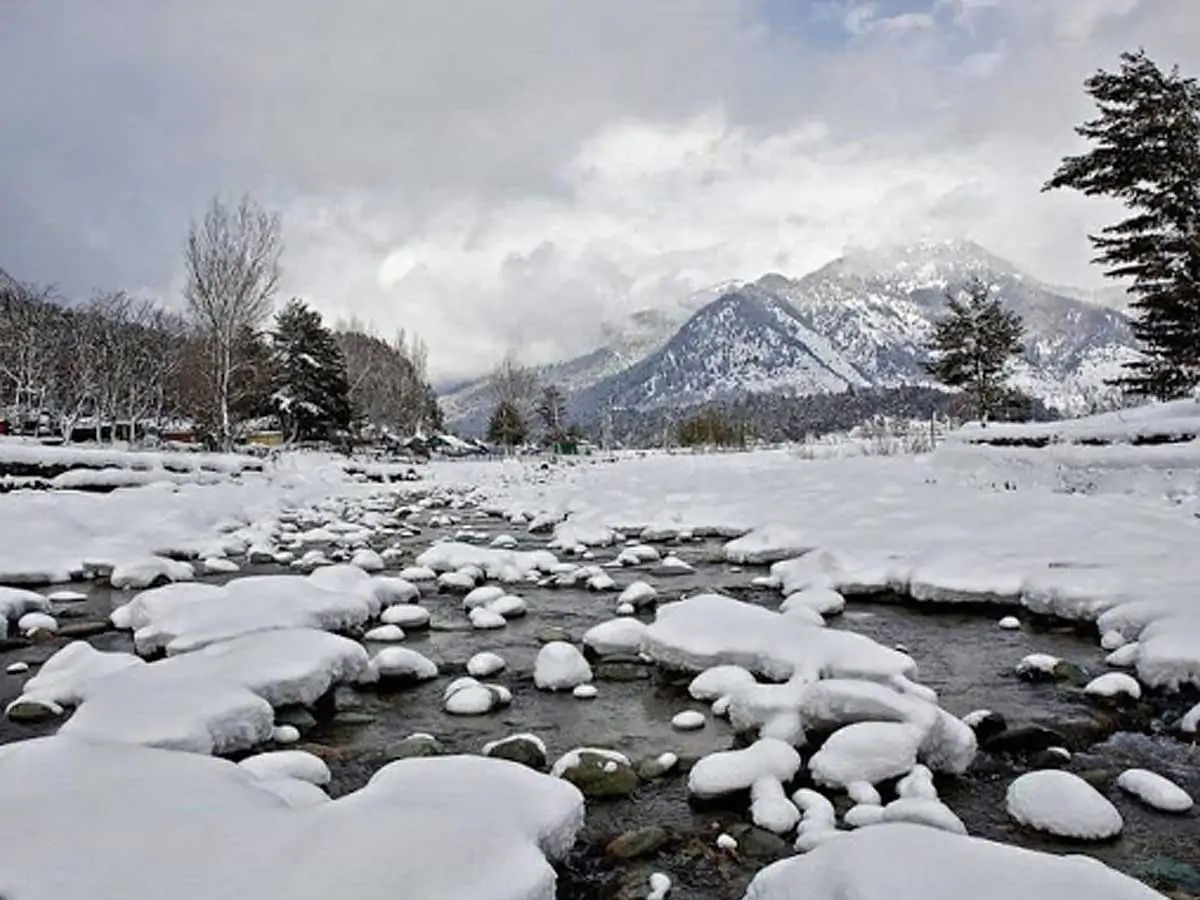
[
  {"x": 639, "y": 842},
  {"x": 554, "y": 633},
  {"x": 415, "y": 745},
  {"x": 599, "y": 776},
  {"x": 520, "y": 750},
  {"x": 30, "y": 711}
]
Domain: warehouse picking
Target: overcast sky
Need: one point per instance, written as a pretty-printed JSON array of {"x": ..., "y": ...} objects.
[{"x": 513, "y": 173}]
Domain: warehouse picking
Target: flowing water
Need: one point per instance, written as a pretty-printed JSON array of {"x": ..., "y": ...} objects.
[{"x": 961, "y": 653}]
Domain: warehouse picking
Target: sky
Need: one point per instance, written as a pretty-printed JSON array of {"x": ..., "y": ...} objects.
[{"x": 514, "y": 175}]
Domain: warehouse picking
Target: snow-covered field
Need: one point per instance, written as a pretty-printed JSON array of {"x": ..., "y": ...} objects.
[{"x": 845, "y": 751}]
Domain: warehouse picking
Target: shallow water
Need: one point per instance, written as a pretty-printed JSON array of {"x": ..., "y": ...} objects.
[{"x": 960, "y": 652}]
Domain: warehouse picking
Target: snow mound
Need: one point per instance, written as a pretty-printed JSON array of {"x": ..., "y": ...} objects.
[
  {"x": 208, "y": 828},
  {"x": 709, "y": 630},
  {"x": 1063, "y": 804},
  {"x": 181, "y": 617},
  {"x": 918, "y": 863},
  {"x": 736, "y": 770},
  {"x": 288, "y": 764}
]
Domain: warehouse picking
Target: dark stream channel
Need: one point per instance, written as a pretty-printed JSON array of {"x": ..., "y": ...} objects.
[{"x": 960, "y": 653}]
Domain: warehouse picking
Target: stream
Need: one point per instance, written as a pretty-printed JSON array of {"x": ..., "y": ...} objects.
[{"x": 961, "y": 653}]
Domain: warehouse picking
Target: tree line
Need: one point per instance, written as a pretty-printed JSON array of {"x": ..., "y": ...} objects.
[{"x": 128, "y": 366}]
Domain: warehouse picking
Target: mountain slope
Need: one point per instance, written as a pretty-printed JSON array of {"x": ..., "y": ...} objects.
[
  {"x": 468, "y": 406},
  {"x": 877, "y": 309},
  {"x": 747, "y": 341}
]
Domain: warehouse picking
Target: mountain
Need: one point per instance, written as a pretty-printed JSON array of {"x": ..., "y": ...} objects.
[
  {"x": 862, "y": 321},
  {"x": 468, "y": 406},
  {"x": 877, "y": 308},
  {"x": 749, "y": 340}
]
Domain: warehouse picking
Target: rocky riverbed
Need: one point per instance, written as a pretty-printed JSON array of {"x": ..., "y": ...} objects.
[{"x": 648, "y": 825}]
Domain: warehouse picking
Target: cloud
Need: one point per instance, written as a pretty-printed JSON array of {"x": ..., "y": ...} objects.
[{"x": 514, "y": 175}]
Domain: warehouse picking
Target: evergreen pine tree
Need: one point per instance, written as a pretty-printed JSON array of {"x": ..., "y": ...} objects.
[
  {"x": 310, "y": 393},
  {"x": 972, "y": 345},
  {"x": 1147, "y": 154},
  {"x": 507, "y": 425}
]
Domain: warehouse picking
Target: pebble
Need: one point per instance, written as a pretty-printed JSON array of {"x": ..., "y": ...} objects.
[
  {"x": 585, "y": 691},
  {"x": 725, "y": 842}
]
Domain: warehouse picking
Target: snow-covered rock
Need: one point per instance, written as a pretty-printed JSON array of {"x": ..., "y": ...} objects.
[
  {"x": 638, "y": 595},
  {"x": 1114, "y": 684},
  {"x": 1062, "y": 804},
  {"x": 288, "y": 764},
  {"x": 559, "y": 667},
  {"x": 405, "y": 615},
  {"x": 866, "y": 751},
  {"x": 37, "y": 621},
  {"x": 1154, "y": 790},
  {"x": 484, "y": 617},
  {"x": 481, "y": 665},
  {"x": 623, "y": 635},
  {"x": 403, "y": 663},
  {"x": 384, "y": 634}
]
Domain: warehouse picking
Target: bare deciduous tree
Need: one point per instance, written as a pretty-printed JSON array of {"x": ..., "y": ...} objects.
[{"x": 232, "y": 260}]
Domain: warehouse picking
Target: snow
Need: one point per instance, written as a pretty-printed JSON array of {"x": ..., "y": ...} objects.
[
  {"x": 709, "y": 630},
  {"x": 1062, "y": 804},
  {"x": 467, "y": 697},
  {"x": 824, "y": 601},
  {"x": 482, "y": 596},
  {"x": 208, "y": 828},
  {"x": 687, "y": 720},
  {"x": 405, "y": 615},
  {"x": 934, "y": 528},
  {"x": 720, "y": 681},
  {"x": 622, "y": 635},
  {"x": 585, "y": 692},
  {"x": 923, "y": 811},
  {"x": 770, "y": 808},
  {"x": 560, "y": 666},
  {"x": 502, "y": 565},
  {"x": 401, "y": 662},
  {"x": 510, "y": 606},
  {"x": 367, "y": 560},
  {"x": 213, "y": 700},
  {"x": 726, "y": 842},
  {"x": 736, "y": 770},
  {"x": 638, "y": 594},
  {"x": 866, "y": 751},
  {"x": 1114, "y": 684},
  {"x": 288, "y": 764},
  {"x": 1010, "y": 623},
  {"x": 144, "y": 571},
  {"x": 920, "y": 863},
  {"x": 481, "y": 665},
  {"x": 384, "y": 634},
  {"x": 660, "y": 886},
  {"x": 181, "y": 617},
  {"x": 484, "y": 617},
  {"x": 1154, "y": 790},
  {"x": 1037, "y": 663},
  {"x": 37, "y": 621}
]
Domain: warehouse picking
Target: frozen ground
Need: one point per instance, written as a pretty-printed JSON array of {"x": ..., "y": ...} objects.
[{"x": 807, "y": 719}]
